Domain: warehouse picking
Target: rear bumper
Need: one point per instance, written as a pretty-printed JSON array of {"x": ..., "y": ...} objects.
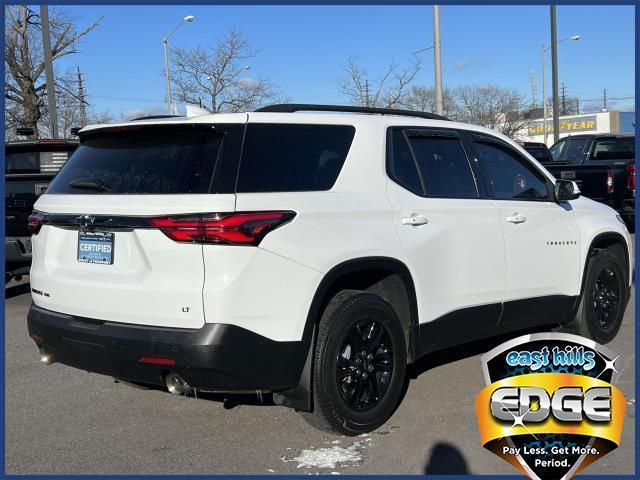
[{"x": 216, "y": 357}]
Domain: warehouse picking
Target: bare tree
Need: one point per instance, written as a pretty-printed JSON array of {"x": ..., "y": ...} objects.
[
  {"x": 24, "y": 90},
  {"x": 216, "y": 76},
  {"x": 423, "y": 99},
  {"x": 385, "y": 91},
  {"x": 493, "y": 107}
]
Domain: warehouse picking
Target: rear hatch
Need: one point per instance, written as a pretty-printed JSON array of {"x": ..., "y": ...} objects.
[{"x": 107, "y": 246}]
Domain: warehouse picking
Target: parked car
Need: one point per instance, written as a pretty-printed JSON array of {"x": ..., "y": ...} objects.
[
  {"x": 537, "y": 150},
  {"x": 29, "y": 167},
  {"x": 310, "y": 254},
  {"x": 604, "y": 168}
]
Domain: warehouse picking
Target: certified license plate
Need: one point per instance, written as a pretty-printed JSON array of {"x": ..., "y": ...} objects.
[
  {"x": 95, "y": 247},
  {"x": 568, "y": 175}
]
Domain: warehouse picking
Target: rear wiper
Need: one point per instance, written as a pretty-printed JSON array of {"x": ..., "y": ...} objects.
[{"x": 89, "y": 185}]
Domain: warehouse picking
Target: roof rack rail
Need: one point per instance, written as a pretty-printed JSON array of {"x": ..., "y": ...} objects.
[
  {"x": 155, "y": 117},
  {"x": 298, "y": 107}
]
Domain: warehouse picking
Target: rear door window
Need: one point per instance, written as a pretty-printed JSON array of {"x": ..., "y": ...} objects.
[
  {"x": 443, "y": 164},
  {"x": 144, "y": 160},
  {"x": 401, "y": 166},
  {"x": 292, "y": 157}
]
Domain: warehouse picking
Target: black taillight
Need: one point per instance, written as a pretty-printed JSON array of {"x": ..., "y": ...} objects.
[{"x": 36, "y": 219}]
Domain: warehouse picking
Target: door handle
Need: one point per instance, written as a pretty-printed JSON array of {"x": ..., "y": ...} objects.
[
  {"x": 414, "y": 220},
  {"x": 516, "y": 218}
]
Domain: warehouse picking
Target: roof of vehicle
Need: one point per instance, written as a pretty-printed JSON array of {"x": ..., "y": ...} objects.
[
  {"x": 599, "y": 135},
  {"x": 40, "y": 145},
  {"x": 306, "y": 113},
  {"x": 531, "y": 144},
  {"x": 44, "y": 141}
]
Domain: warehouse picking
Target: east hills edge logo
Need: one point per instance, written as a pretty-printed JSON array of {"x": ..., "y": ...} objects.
[{"x": 550, "y": 407}]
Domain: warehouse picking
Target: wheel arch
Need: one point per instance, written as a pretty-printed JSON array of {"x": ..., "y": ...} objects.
[
  {"x": 385, "y": 276},
  {"x": 614, "y": 242},
  {"x": 380, "y": 275}
]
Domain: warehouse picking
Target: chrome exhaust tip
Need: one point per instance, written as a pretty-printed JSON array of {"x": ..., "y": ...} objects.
[
  {"x": 176, "y": 384},
  {"x": 46, "y": 357}
]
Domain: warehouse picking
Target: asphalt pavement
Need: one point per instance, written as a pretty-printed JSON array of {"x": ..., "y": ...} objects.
[{"x": 60, "y": 420}]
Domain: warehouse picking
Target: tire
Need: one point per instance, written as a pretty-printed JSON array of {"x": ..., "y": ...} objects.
[
  {"x": 604, "y": 299},
  {"x": 355, "y": 393}
]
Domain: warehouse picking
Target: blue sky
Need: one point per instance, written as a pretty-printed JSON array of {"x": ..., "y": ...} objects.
[{"x": 303, "y": 49}]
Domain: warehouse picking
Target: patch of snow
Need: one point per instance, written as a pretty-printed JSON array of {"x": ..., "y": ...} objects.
[{"x": 329, "y": 457}]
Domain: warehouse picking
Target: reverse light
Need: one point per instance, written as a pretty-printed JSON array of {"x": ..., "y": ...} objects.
[
  {"x": 34, "y": 224},
  {"x": 244, "y": 228},
  {"x": 609, "y": 181}
]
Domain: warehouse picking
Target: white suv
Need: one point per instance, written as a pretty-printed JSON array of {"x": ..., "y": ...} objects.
[{"x": 310, "y": 254}]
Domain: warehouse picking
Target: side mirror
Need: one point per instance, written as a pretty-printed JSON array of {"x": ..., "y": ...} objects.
[{"x": 566, "y": 190}]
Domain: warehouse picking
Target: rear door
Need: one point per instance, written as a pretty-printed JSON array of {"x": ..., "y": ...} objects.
[{"x": 100, "y": 255}]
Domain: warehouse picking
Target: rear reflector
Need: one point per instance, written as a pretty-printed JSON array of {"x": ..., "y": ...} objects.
[
  {"x": 157, "y": 360},
  {"x": 35, "y": 222},
  {"x": 246, "y": 228},
  {"x": 609, "y": 181}
]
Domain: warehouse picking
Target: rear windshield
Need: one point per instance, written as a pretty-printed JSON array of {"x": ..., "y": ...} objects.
[
  {"x": 614, "y": 148},
  {"x": 142, "y": 160},
  {"x": 293, "y": 157},
  {"x": 34, "y": 160}
]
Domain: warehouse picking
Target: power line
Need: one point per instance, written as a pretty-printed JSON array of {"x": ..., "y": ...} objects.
[{"x": 127, "y": 99}]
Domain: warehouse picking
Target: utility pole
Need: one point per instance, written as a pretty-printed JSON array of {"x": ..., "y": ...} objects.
[
  {"x": 437, "y": 60},
  {"x": 83, "y": 102},
  {"x": 554, "y": 73},
  {"x": 605, "y": 100},
  {"x": 544, "y": 97},
  {"x": 564, "y": 100},
  {"x": 577, "y": 106},
  {"x": 48, "y": 67},
  {"x": 533, "y": 89}
]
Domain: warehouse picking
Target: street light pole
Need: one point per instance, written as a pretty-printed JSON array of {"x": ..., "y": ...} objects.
[
  {"x": 554, "y": 74},
  {"x": 165, "y": 43},
  {"x": 437, "y": 60},
  {"x": 167, "y": 75},
  {"x": 544, "y": 50}
]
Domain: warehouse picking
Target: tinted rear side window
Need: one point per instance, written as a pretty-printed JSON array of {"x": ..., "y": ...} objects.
[
  {"x": 143, "y": 160},
  {"x": 444, "y": 166},
  {"x": 401, "y": 165},
  {"x": 292, "y": 157}
]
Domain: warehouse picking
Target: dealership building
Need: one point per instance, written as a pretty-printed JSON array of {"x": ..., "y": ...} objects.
[{"x": 610, "y": 121}]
